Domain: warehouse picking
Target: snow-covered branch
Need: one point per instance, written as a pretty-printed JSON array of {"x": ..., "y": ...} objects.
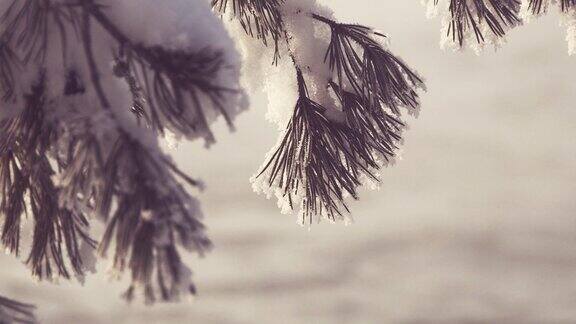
[
  {"x": 474, "y": 23},
  {"x": 80, "y": 124},
  {"x": 346, "y": 122}
]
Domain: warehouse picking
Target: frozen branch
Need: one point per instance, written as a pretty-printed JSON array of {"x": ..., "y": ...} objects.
[
  {"x": 82, "y": 141},
  {"x": 346, "y": 123},
  {"x": 475, "y": 23}
]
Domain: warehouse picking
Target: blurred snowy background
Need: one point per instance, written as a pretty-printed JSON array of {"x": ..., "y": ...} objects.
[{"x": 477, "y": 223}]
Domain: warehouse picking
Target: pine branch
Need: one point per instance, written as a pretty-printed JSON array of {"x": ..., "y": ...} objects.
[
  {"x": 153, "y": 216},
  {"x": 12, "y": 311},
  {"x": 73, "y": 156},
  {"x": 179, "y": 86},
  {"x": 482, "y": 20},
  {"x": 321, "y": 162},
  {"x": 308, "y": 159},
  {"x": 321, "y": 158}
]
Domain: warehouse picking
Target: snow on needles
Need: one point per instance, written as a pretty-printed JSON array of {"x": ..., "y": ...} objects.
[
  {"x": 104, "y": 84},
  {"x": 477, "y": 23},
  {"x": 472, "y": 23},
  {"x": 304, "y": 49}
]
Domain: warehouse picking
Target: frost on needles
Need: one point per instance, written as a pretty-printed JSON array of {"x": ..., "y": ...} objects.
[
  {"x": 474, "y": 23},
  {"x": 477, "y": 23},
  {"x": 348, "y": 98},
  {"x": 87, "y": 88}
]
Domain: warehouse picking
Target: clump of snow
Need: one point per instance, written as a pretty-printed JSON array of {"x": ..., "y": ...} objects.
[
  {"x": 308, "y": 41},
  {"x": 280, "y": 79},
  {"x": 170, "y": 23}
]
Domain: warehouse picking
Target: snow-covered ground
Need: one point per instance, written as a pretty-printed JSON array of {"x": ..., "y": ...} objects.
[{"x": 477, "y": 223}]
